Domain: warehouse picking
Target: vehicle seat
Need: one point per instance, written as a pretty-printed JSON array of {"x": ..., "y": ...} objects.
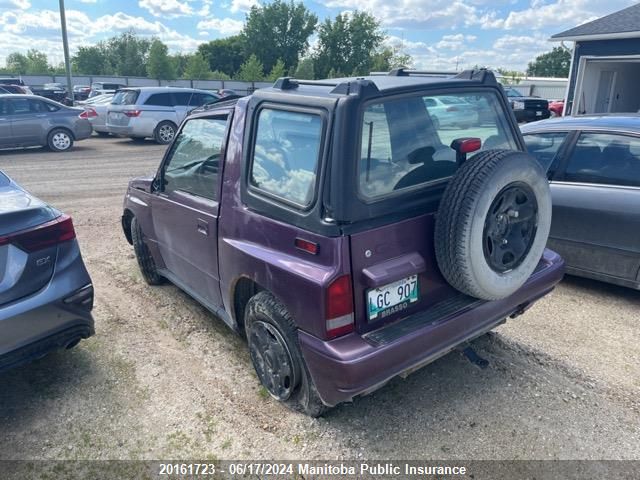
[{"x": 429, "y": 170}]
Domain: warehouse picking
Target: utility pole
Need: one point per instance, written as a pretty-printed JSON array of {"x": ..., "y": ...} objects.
[{"x": 65, "y": 46}]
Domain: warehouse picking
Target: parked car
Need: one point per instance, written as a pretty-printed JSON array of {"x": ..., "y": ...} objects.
[
  {"x": 12, "y": 81},
  {"x": 556, "y": 108},
  {"x": 97, "y": 113},
  {"x": 16, "y": 89},
  {"x": 54, "y": 91},
  {"x": 451, "y": 111},
  {"x": 101, "y": 88},
  {"x": 527, "y": 109},
  {"x": 30, "y": 120},
  {"x": 594, "y": 167},
  {"x": 81, "y": 92},
  {"x": 153, "y": 111},
  {"x": 46, "y": 295},
  {"x": 305, "y": 217},
  {"x": 105, "y": 98}
]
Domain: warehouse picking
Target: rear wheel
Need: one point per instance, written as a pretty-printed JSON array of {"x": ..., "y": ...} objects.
[
  {"x": 60, "y": 140},
  {"x": 276, "y": 356},
  {"x": 143, "y": 255},
  {"x": 165, "y": 132},
  {"x": 493, "y": 223}
]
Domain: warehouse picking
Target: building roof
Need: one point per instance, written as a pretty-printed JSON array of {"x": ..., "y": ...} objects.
[
  {"x": 614, "y": 122},
  {"x": 622, "y": 24}
]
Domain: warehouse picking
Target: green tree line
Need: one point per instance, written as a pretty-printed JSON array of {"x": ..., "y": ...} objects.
[{"x": 274, "y": 42}]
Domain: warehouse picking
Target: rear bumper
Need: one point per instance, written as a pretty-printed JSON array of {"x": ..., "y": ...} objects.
[
  {"x": 351, "y": 365},
  {"x": 53, "y": 317},
  {"x": 119, "y": 130},
  {"x": 530, "y": 115}
]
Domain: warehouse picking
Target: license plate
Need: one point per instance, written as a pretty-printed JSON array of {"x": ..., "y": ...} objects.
[
  {"x": 393, "y": 297},
  {"x": 538, "y": 114},
  {"x": 115, "y": 115}
]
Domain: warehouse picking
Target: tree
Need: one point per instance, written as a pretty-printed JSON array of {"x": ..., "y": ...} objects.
[
  {"x": 17, "y": 63},
  {"x": 197, "y": 68},
  {"x": 180, "y": 61},
  {"x": 128, "y": 54},
  {"x": 512, "y": 77},
  {"x": 37, "y": 62},
  {"x": 252, "y": 70},
  {"x": 277, "y": 71},
  {"x": 279, "y": 30},
  {"x": 93, "y": 60},
  {"x": 159, "y": 64},
  {"x": 225, "y": 54},
  {"x": 348, "y": 44},
  {"x": 218, "y": 75},
  {"x": 551, "y": 64},
  {"x": 386, "y": 59},
  {"x": 305, "y": 69}
]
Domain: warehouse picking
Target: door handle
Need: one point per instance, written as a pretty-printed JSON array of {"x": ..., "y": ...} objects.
[{"x": 203, "y": 227}]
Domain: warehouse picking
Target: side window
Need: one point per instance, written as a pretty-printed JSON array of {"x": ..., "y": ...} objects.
[
  {"x": 183, "y": 98},
  {"x": 194, "y": 160},
  {"x": 544, "y": 146},
  {"x": 201, "y": 99},
  {"x": 286, "y": 154},
  {"x": 605, "y": 158},
  {"x": 160, "y": 100},
  {"x": 20, "y": 105}
]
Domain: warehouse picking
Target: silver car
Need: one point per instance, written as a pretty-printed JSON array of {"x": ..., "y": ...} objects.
[
  {"x": 96, "y": 109},
  {"x": 31, "y": 120},
  {"x": 46, "y": 295},
  {"x": 153, "y": 111}
]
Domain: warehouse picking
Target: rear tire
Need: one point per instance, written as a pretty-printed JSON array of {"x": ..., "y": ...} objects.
[
  {"x": 59, "y": 140},
  {"x": 276, "y": 356},
  {"x": 143, "y": 255},
  {"x": 493, "y": 223},
  {"x": 165, "y": 132}
]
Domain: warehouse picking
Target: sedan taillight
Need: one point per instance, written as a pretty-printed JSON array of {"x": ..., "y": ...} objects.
[
  {"x": 43, "y": 236},
  {"x": 88, "y": 113}
]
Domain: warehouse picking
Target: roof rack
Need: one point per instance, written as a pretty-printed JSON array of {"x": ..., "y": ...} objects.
[
  {"x": 483, "y": 75},
  {"x": 359, "y": 86}
]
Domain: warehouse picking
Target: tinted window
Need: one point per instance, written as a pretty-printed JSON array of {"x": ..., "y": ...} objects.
[
  {"x": 285, "y": 157},
  {"x": 160, "y": 99},
  {"x": 605, "y": 158},
  {"x": 20, "y": 105},
  {"x": 4, "y": 107},
  {"x": 183, "y": 98},
  {"x": 195, "y": 158},
  {"x": 406, "y": 142},
  {"x": 125, "y": 97},
  {"x": 544, "y": 146}
]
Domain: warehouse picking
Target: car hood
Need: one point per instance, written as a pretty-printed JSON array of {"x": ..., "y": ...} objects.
[{"x": 19, "y": 209}]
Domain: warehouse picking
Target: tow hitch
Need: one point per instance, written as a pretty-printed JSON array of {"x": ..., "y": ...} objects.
[{"x": 473, "y": 357}]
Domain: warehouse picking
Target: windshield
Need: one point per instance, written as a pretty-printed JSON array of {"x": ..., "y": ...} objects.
[
  {"x": 125, "y": 97},
  {"x": 512, "y": 92},
  {"x": 406, "y": 142}
]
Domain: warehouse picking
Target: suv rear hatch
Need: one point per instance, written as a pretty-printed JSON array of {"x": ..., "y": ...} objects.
[
  {"x": 405, "y": 156},
  {"x": 29, "y": 233}
]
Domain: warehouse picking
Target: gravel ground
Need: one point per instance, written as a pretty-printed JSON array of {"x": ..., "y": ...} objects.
[{"x": 163, "y": 378}]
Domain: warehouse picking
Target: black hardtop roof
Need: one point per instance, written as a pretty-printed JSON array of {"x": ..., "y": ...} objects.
[{"x": 375, "y": 85}]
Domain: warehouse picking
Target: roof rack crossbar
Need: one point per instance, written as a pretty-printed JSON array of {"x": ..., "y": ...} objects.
[
  {"x": 359, "y": 86},
  {"x": 288, "y": 83},
  {"x": 483, "y": 75}
]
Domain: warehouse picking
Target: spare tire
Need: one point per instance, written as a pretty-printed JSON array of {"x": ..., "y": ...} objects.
[{"x": 492, "y": 224}]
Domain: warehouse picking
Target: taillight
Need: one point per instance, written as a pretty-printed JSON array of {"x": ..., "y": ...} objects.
[
  {"x": 43, "y": 236},
  {"x": 132, "y": 113},
  {"x": 452, "y": 109},
  {"x": 339, "y": 307},
  {"x": 88, "y": 113}
]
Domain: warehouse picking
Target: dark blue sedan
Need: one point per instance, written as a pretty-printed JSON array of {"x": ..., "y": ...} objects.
[{"x": 593, "y": 163}]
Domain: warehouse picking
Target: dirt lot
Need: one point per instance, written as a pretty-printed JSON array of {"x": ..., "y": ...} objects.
[{"x": 163, "y": 378}]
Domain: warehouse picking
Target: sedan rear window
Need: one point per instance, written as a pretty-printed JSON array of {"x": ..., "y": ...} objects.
[
  {"x": 406, "y": 142},
  {"x": 125, "y": 97}
]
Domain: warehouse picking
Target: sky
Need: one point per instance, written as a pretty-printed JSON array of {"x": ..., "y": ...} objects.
[{"x": 438, "y": 34}]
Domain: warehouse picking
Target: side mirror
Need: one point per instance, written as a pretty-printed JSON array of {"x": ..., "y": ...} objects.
[{"x": 465, "y": 145}]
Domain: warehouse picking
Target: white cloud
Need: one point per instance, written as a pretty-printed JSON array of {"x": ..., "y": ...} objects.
[
  {"x": 455, "y": 42},
  {"x": 226, "y": 26},
  {"x": 166, "y": 8},
  {"x": 205, "y": 8},
  {"x": 243, "y": 5},
  {"x": 88, "y": 1},
  {"x": 21, "y": 4}
]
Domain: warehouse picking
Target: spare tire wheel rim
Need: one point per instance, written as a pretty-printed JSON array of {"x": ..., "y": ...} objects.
[
  {"x": 510, "y": 227},
  {"x": 272, "y": 360}
]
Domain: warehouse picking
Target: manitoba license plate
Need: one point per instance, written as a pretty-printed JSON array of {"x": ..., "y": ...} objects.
[{"x": 392, "y": 298}]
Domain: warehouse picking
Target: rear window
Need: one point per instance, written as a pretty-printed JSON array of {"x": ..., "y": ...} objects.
[
  {"x": 125, "y": 97},
  {"x": 406, "y": 142}
]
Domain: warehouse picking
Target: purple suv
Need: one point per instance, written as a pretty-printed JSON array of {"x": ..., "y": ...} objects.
[{"x": 343, "y": 231}]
